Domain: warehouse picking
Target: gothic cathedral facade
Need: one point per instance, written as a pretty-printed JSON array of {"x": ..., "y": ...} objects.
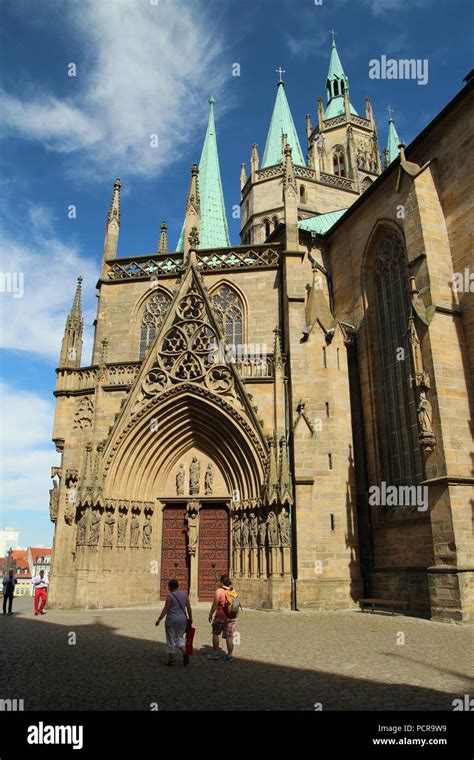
[{"x": 296, "y": 410}]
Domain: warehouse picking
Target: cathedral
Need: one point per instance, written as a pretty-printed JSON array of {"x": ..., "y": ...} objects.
[{"x": 296, "y": 410}]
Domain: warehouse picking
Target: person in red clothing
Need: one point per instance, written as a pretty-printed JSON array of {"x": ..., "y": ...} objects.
[{"x": 41, "y": 584}]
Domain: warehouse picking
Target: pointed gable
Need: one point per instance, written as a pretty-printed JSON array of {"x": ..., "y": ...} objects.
[
  {"x": 281, "y": 124},
  {"x": 188, "y": 354}
]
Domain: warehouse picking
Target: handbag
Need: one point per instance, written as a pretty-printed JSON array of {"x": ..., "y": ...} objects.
[{"x": 190, "y": 631}]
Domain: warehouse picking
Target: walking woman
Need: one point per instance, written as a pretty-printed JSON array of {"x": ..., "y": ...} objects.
[{"x": 176, "y": 605}]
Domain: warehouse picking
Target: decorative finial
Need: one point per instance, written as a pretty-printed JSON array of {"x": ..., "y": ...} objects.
[
  {"x": 211, "y": 101},
  {"x": 390, "y": 113},
  {"x": 333, "y": 36},
  {"x": 280, "y": 71}
]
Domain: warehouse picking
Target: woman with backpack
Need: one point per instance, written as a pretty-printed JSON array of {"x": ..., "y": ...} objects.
[
  {"x": 223, "y": 616},
  {"x": 179, "y": 615}
]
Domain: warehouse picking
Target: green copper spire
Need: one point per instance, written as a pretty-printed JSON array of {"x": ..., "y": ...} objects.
[
  {"x": 213, "y": 232},
  {"x": 393, "y": 140},
  {"x": 281, "y": 123},
  {"x": 336, "y": 84}
]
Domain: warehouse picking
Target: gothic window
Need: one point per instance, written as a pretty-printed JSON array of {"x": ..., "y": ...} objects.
[
  {"x": 366, "y": 182},
  {"x": 392, "y": 303},
  {"x": 302, "y": 194},
  {"x": 336, "y": 88},
  {"x": 275, "y": 222},
  {"x": 266, "y": 225},
  {"x": 338, "y": 161},
  {"x": 155, "y": 310},
  {"x": 229, "y": 304}
]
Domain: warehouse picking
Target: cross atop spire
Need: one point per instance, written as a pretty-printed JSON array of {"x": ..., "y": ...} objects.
[
  {"x": 333, "y": 36},
  {"x": 280, "y": 71},
  {"x": 390, "y": 112}
]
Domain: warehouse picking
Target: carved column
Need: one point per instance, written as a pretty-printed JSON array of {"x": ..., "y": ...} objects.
[{"x": 192, "y": 521}]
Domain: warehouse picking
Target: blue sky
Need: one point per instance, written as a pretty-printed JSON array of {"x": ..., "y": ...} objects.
[{"x": 142, "y": 68}]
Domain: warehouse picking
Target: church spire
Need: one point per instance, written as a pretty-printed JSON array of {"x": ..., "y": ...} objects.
[
  {"x": 281, "y": 123},
  {"x": 112, "y": 225},
  {"x": 337, "y": 84},
  {"x": 393, "y": 139},
  {"x": 214, "y": 232},
  {"x": 163, "y": 244},
  {"x": 71, "y": 347}
]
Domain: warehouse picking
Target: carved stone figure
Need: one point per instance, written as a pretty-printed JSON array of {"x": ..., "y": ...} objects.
[
  {"x": 208, "y": 479},
  {"x": 81, "y": 527},
  {"x": 192, "y": 518},
  {"x": 121, "y": 529},
  {"x": 262, "y": 529},
  {"x": 253, "y": 528},
  {"x": 245, "y": 531},
  {"x": 272, "y": 527},
  {"x": 54, "y": 501},
  {"x": 146, "y": 538},
  {"x": 134, "y": 530},
  {"x": 94, "y": 528},
  {"x": 425, "y": 421},
  {"x": 194, "y": 476},
  {"x": 237, "y": 530},
  {"x": 180, "y": 477},
  {"x": 109, "y": 525},
  {"x": 284, "y": 525}
]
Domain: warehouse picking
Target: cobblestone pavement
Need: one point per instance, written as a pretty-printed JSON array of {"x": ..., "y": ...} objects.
[{"x": 285, "y": 661}]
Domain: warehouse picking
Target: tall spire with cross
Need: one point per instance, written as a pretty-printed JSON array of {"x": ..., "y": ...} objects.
[
  {"x": 214, "y": 231},
  {"x": 393, "y": 140},
  {"x": 336, "y": 85},
  {"x": 281, "y": 123}
]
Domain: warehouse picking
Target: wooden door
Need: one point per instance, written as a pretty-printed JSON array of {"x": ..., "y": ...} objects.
[
  {"x": 174, "y": 554},
  {"x": 213, "y": 549}
]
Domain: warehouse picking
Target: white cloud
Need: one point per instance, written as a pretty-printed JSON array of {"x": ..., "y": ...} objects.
[
  {"x": 27, "y": 453},
  {"x": 35, "y": 322},
  {"x": 386, "y": 7},
  {"x": 144, "y": 69}
]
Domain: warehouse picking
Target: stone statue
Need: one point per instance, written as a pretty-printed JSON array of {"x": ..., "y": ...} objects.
[
  {"x": 284, "y": 525},
  {"x": 94, "y": 528},
  {"x": 146, "y": 538},
  {"x": 81, "y": 527},
  {"x": 121, "y": 529},
  {"x": 425, "y": 421},
  {"x": 192, "y": 516},
  {"x": 425, "y": 414},
  {"x": 109, "y": 525},
  {"x": 208, "y": 478},
  {"x": 194, "y": 476},
  {"x": 54, "y": 501},
  {"x": 180, "y": 480},
  {"x": 237, "y": 530},
  {"x": 245, "y": 533},
  {"x": 272, "y": 528},
  {"x": 253, "y": 530},
  {"x": 262, "y": 528},
  {"x": 134, "y": 530}
]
